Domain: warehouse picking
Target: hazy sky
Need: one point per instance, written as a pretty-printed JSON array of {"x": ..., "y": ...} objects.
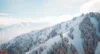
[
  {"x": 39, "y": 8},
  {"x": 51, "y": 11}
]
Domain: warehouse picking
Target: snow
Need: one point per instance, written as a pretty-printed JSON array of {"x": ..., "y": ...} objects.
[
  {"x": 77, "y": 41},
  {"x": 43, "y": 34},
  {"x": 47, "y": 40},
  {"x": 48, "y": 44},
  {"x": 95, "y": 24},
  {"x": 98, "y": 49}
]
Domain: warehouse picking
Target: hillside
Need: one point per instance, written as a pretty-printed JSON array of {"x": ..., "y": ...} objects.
[{"x": 81, "y": 35}]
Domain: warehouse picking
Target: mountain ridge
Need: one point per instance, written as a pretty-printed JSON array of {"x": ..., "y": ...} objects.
[{"x": 82, "y": 34}]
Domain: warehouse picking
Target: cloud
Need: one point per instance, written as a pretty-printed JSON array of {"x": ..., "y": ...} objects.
[
  {"x": 10, "y": 21},
  {"x": 3, "y": 14},
  {"x": 49, "y": 19},
  {"x": 92, "y": 6},
  {"x": 56, "y": 11},
  {"x": 62, "y": 7},
  {"x": 56, "y": 19}
]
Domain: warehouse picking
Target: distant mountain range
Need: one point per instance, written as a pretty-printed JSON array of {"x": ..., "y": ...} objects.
[{"x": 8, "y": 32}]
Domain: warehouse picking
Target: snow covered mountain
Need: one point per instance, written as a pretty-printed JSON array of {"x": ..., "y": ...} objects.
[
  {"x": 81, "y": 35},
  {"x": 8, "y": 32}
]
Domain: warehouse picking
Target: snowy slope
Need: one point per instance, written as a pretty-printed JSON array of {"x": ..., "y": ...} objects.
[
  {"x": 81, "y": 33},
  {"x": 8, "y": 32},
  {"x": 65, "y": 30}
]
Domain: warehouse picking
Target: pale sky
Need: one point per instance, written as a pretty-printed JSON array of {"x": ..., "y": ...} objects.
[
  {"x": 39, "y": 8},
  {"x": 47, "y": 11}
]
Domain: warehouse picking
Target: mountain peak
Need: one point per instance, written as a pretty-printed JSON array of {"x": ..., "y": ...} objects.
[{"x": 80, "y": 35}]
